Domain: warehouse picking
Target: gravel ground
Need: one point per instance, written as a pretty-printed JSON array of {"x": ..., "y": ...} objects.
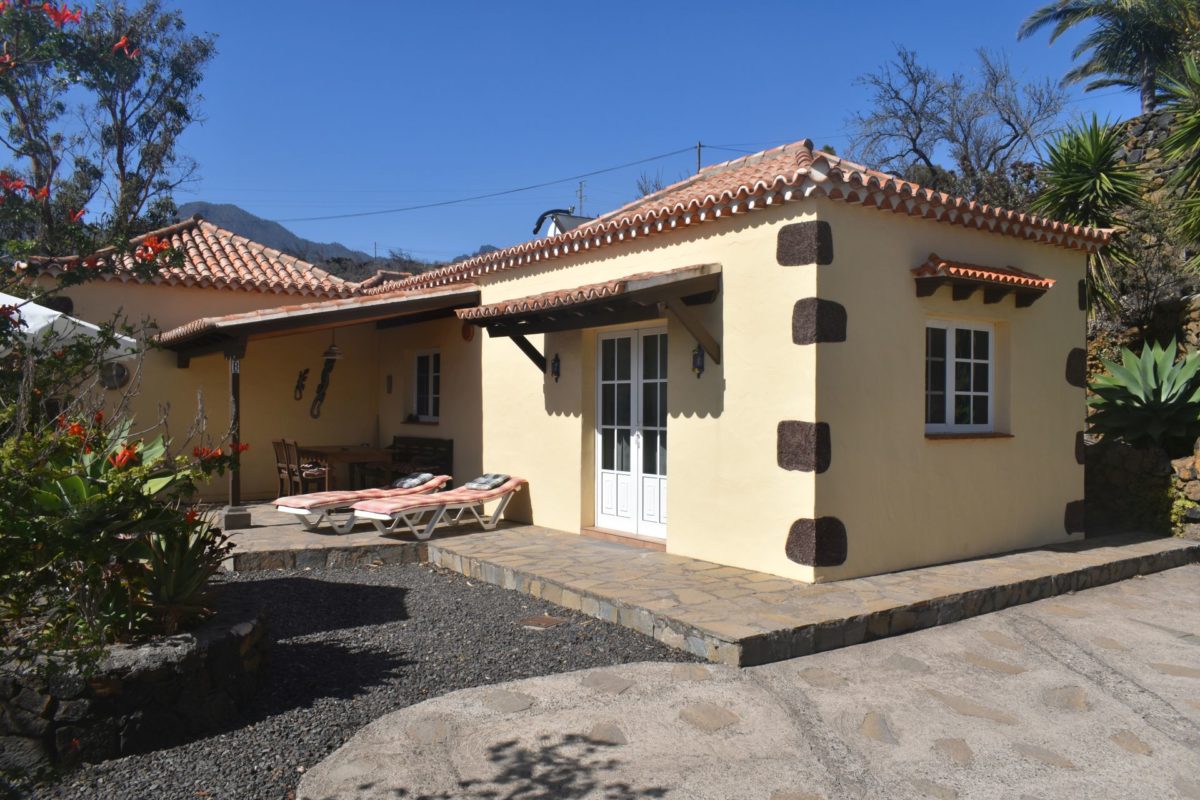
[{"x": 349, "y": 646}]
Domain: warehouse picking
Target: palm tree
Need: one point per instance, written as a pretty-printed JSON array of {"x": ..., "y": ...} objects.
[
  {"x": 1133, "y": 43},
  {"x": 1085, "y": 183},
  {"x": 1182, "y": 149}
]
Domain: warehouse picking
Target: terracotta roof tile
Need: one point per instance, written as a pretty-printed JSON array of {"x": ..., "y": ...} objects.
[
  {"x": 217, "y": 258},
  {"x": 781, "y": 175},
  {"x": 564, "y": 297},
  {"x": 935, "y": 267}
]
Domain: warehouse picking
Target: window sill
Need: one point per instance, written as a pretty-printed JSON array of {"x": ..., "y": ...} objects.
[
  {"x": 956, "y": 436},
  {"x": 432, "y": 422}
]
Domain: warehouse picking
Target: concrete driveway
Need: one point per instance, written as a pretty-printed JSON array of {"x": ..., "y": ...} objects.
[{"x": 1092, "y": 695}]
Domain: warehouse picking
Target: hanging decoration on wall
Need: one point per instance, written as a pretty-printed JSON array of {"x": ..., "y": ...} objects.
[
  {"x": 331, "y": 355},
  {"x": 301, "y": 380}
]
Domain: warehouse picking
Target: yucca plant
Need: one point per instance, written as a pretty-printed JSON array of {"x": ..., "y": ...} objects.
[
  {"x": 1084, "y": 182},
  {"x": 1182, "y": 148},
  {"x": 179, "y": 560},
  {"x": 1151, "y": 399}
]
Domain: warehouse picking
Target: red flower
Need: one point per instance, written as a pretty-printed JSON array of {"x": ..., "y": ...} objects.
[
  {"x": 11, "y": 184},
  {"x": 240, "y": 447},
  {"x": 191, "y": 516},
  {"x": 99, "y": 417},
  {"x": 136, "y": 52},
  {"x": 77, "y": 215},
  {"x": 76, "y": 429},
  {"x": 150, "y": 247},
  {"x": 127, "y": 455},
  {"x": 41, "y": 194},
  {"x": 62, "y": 15},
  {"x": 62, "y": 421},
  {"x": 122, "y": 44},
  {"x": 205, "y": 453}
]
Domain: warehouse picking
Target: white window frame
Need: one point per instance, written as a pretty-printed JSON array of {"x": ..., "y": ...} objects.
[
  {"x": 951, "y": 326},
  {"x": 416, "y": 385}
]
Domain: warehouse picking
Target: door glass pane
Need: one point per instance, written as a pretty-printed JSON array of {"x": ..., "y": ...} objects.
[
  {"x": 650, "y": 453},
  {"x": 608, "y": 356},
  {"x": 662, "y": 452},
  {"x": 662, "y": 356},
  {"x": 622, "y": 404},
  {"x": 622, "y": 450},
  {"x": 649, "y": 403},
  {"x": 607, "y": 439},
  {"x": 962, "y": 343},
  {"x": 662, "y": 405},
  {"x": 649, "y": 357},
  {"x": 981, "y": 344},
  {"x": 608, "y": 405},
  {"x": 623, "y": 352}
]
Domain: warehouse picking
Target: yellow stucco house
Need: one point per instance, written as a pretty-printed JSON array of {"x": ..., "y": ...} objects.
[{"x": 787, "y": 363}]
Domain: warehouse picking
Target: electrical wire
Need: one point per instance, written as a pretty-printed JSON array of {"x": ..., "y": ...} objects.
[{"x": 489, "y": 194}]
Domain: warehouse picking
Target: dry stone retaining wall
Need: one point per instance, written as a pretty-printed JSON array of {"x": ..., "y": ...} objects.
[{"x": 143, "y": 697}]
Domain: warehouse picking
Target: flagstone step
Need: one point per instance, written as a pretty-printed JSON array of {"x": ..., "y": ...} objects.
[{"x": 738, "y": 617}]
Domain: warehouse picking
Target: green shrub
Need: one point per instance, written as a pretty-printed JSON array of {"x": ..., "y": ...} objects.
[{"x": 1151, "y": 399}]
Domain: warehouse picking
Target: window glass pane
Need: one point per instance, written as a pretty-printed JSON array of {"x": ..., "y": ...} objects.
[
  {"x": 981, "y": 344},
  {"x": 962, "y": 409},
  {"x": 962, "y": 343},
  {"x": 981, "y": 378},
  {"x": 662, "y": 452},
  {"x": 608, "y": 359},
  {"x": 437, "y": 407},
  {"x": 649, "y": 357},
  {"x": 422, "y": 369},
  {"x": 662, "y": 355},
  {"x": 623, "y": 359},
  {"x": 650, "y": 453},
  {"x": 936, "y": 375},
  {"x": 979, "y": 410},
  {"x": 649, "y": 403},
  {"x": 962, "y": 376},
  {"x": 606, "y": 448},
  {"x": 935, "y": 408},
  {"x": 422, "y": 403},
  {"x": 608, "y": 405},
  {"x": 935, "y": 342},
  {"x": 623, "y": 405},
  {"x": 622, "y": 450},
  {"x": 437, "y": 384},
  {"x": 662, "y": 405}
]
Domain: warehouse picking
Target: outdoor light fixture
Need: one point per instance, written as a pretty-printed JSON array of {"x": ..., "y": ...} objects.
[
  {"x": 698, "y": 361},
  {"x": 555, "y": 367},
  {"x": 333, "y": 351}
]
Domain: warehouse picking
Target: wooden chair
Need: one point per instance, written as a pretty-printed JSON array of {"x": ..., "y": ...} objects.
[
  {"x": 307, "y": 474},
  {"x": 283, "y": 468}
]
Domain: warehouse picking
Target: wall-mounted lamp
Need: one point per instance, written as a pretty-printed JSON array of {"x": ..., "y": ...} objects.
[
  {"x": 698, "y": 361},
  {"x": 333, "y": 351},
  {"x": 555, "y": 368}
]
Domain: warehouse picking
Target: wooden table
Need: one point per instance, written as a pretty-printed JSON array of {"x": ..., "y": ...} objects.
[{"x": 350, "y": 455}]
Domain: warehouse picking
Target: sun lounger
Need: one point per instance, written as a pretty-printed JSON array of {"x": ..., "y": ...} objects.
[
  {"x": 316, "y": 508},
  {"x": 421, "y": 516}
]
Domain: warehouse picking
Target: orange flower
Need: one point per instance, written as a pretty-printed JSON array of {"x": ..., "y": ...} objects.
[
  {"x": 77, "y": 215},
  {"x": 61, "y": 16},
  {"x": 127, "y": 456},
  {"x": 76, "y": 429},
  {"x": 240, "y": 447},
  {"x": 42, "y": 193}
]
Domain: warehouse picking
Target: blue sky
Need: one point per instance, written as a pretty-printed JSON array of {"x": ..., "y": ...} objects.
[{"x": 318, "y": 108}]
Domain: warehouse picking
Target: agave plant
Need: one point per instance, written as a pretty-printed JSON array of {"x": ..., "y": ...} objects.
[
  {"x": 179, "y": 560},
  {"x": 1151, "y": 399}
]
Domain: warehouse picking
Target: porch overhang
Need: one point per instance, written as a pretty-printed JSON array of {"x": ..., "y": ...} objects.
[
  {"x": 229, "y": 334},
  {"x": 634, "y": 298}
]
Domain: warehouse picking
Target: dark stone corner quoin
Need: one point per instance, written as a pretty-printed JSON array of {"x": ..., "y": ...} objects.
[
  {"x": 1073, "y": 517},
  {"x": 1076, "y": 371},
  {"x": 804, "y": 243},
  {"x": 816, "y": 320},
  {"x": 817, "y": 542},
  {"x": 803, "y": 446}
]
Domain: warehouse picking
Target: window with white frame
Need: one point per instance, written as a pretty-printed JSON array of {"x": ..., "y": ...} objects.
[
  {"x": 428, "y": 386},
  {"x": 959, "y": 377}
]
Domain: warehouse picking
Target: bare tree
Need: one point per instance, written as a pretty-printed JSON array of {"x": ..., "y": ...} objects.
[
  {"x": 986, "y": 128},
  {"x": 649, "y": 184}
]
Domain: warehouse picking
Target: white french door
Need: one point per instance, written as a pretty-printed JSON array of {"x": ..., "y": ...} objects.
[{"x": 631, "y": 432}]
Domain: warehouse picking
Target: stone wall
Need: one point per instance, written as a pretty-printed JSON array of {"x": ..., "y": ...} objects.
[
  {"x": 143, "y": 697},
  {"x": 1126, "y": 488},
  {"x": 1185, "y": 494}
]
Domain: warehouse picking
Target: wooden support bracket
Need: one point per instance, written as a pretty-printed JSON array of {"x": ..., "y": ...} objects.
[
  {"x": 694, "y": 326},
  {"x": 528, "y": 349}
]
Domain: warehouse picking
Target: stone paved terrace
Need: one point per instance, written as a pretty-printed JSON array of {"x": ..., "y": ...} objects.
[{"x": 735, "y": 616}]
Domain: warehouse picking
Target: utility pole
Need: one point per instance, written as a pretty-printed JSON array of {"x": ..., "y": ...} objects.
[
  {"x": 699, "y": 147},
  {"x": 581, "y": 196}
]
